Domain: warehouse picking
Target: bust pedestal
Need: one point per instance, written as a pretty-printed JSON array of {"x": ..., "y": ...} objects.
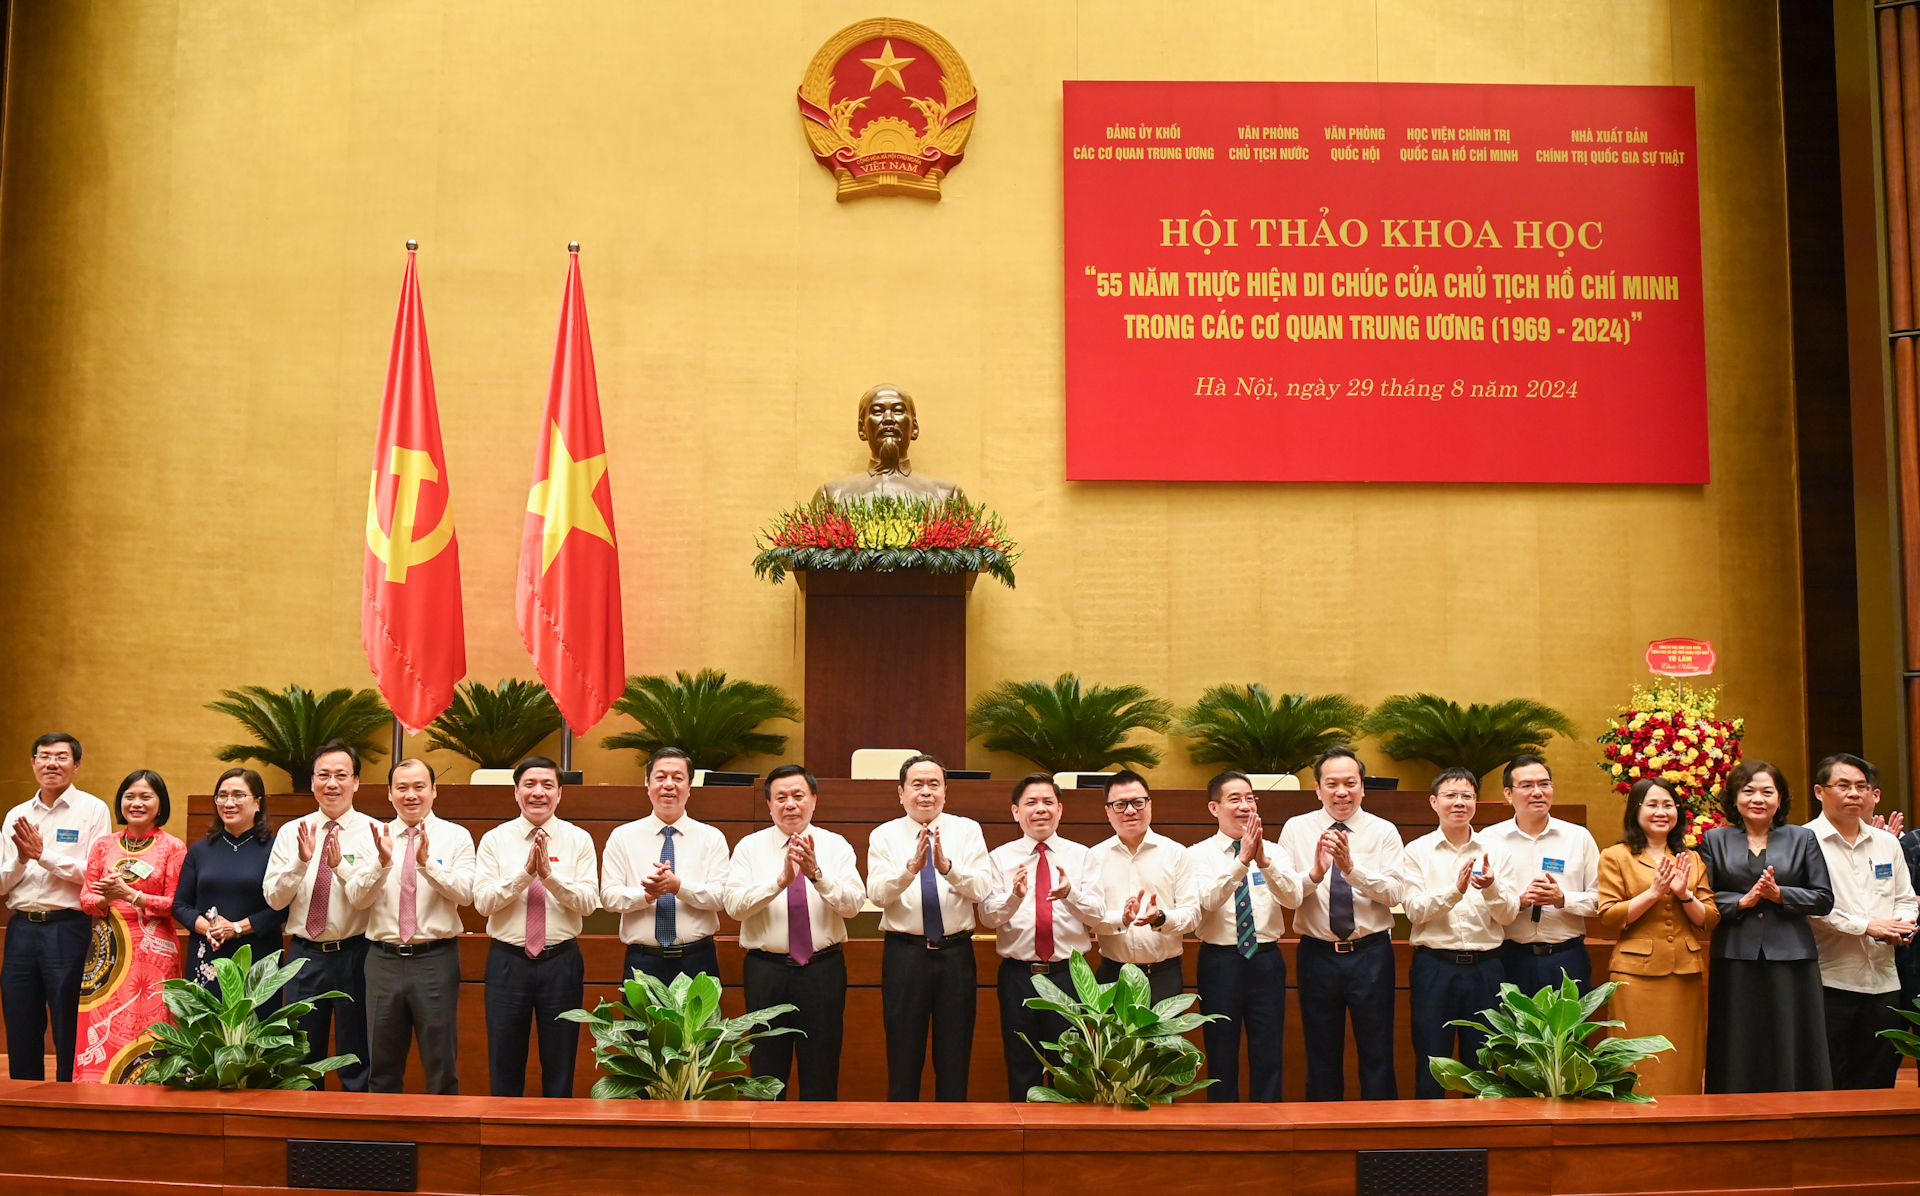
[{"x": 886, "y": 665}]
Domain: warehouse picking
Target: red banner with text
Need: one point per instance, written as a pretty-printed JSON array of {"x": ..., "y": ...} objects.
[{"x": 1383, "y": 282}]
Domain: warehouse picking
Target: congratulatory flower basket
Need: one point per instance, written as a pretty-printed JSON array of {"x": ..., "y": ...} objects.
[
  {"x": 1673, "y": 734},
  {"x": 882, "y": 534}
]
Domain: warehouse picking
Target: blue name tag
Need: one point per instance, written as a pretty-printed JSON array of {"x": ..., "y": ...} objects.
[
  {"x": 1259, "y": 878},
  {"x": 66, "y": 835},
  {"x": 1883, "y": 872},
  {"x": 1558, "y": 867}
]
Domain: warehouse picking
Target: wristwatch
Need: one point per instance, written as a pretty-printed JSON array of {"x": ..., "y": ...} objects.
[{"x": 1159, "y": 920}]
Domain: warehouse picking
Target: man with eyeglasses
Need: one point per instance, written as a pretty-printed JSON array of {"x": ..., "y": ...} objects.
[
  {"x": 1147, "y": 881},
  {"x": 1548, "y": 940},
  {"x": 44, "y": 843},
  {"x": 1873, "y": 913}
]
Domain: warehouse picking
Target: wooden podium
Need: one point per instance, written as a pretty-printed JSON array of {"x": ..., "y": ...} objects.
[{"x": 886, "y": 665}]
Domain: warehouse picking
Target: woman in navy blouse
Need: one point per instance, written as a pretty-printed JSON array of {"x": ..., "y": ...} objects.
[{"x": 220, "y": 897}]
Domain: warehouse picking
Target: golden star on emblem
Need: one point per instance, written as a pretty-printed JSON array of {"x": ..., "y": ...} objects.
[
  {"x": 886, "y": 68},
  {"x": 565, "y": 499}
]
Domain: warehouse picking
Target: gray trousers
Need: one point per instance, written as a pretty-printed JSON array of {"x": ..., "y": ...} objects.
[{"x": 408, "y": 998}]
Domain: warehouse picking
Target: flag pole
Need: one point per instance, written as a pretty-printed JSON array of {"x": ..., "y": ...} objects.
[
  {"x": 399, "y": 740},
  {"x": 566, "y": 746}
]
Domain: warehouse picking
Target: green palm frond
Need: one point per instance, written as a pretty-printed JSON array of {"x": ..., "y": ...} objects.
[
  {"x": 1248, "y": 729},
  {"x": 1062, "y": 728},
  {"x": 1477, "y": 738},
  {"x": 288, "y": 727},
  {"x": 707, "y": 716},
  {"x": 495, "y": 727}
]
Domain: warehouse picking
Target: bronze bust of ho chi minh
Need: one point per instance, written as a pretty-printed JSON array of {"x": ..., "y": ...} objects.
[{"x": 889, "y": 426}]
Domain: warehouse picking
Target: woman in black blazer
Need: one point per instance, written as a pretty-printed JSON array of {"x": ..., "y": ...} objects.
[
  {"x": 220, "y": 898},
  {"x": 1766, "y": 1024}
]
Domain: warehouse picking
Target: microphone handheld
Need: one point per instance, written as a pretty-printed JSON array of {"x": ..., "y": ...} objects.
[{"x": 1536, "y": 913}]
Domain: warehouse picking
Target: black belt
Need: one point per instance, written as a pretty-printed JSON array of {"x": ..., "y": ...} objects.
[
  {"x": 790, "y": 961},
  {"x": 51, "y": 915},
  {"x": 409, "y": 950},
  {"x": 1463, "y": 958},
  {"x": 1158, "y": 965},
  {"x": 1041, "y": 969},
  {"x": 673, "y": 952},
  {"x": 1347, "y": 946},
  {"x": 1552, "y": 948},
  {"x": 331, "y": 946},
  {"x": 1259, "y": 948},
  {"x": 953, "y": 940},
  {"x": 551, "y": 950}
]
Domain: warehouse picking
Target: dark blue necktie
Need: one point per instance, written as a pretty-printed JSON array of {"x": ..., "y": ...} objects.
[
  {"x": 664, "y": 928},
  {"x": 931, "y": 923},
  {"x": 1339, "y": 899}
]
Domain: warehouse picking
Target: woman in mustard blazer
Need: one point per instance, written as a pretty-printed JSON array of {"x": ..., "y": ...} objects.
[{"x": 1656, "y": 899}]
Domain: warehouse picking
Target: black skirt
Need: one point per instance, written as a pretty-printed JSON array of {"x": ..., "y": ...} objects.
[{"x": 1766, "y": 1026}]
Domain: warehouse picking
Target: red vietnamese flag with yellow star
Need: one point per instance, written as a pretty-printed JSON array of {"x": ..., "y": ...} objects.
[
  {"x": 569, "y": 587},
  {"x": 411, "y": 621}
]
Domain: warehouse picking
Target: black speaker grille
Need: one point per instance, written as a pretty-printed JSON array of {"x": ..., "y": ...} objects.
[
  {"x": 1421, "y": 1172},
  {"x": 355, "y": 1166}
]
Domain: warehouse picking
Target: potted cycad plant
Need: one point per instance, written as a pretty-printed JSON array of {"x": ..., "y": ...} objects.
[
  {"x": 498, "y": 726},
  {"x": 221, "y": 1040},
  {"x": 670, "y": 1042},
  {"x": 288, "y": 727},
  {"x": 1064, "y": 727},
  {"x": 710, "y": 718},
  {"x": 1120, "y": 1048},
  {"x": 1478, "y": 738},
  {"x": 1246, "y": 728}
]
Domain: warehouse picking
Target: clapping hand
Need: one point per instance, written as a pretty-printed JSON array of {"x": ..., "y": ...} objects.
[
  {"x": 1340, "y": 847},
  {"x": 1019, "y": 888},
  {"x": 940, "y": 863},
  {"x": 1764, "y": 889},
  {"x": 1148, "y": 911},
  {"x": 1679, "y": 872},
  {"x": 383, "y": 844},
  {"x": 420, "y": 852},
  {"x": 664, "y": 881},
  {"x": 1891, "y": 824},
  {"x": 809, "y": 864},
  {"x": 1544, "y": 891},
  {"x": 113, "y": 887},
  {"x": 26, "y": 837},
  {"x": 306, "y": 842},
  {"x": 537, "y": 862},
  {"x": 1253, "y": 848}
]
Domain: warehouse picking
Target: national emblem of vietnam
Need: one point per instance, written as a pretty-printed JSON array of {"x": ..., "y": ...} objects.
[{"x": 887, "y": 106}]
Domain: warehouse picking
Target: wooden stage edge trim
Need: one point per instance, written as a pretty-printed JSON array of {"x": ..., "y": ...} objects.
[{"x": 71, "y": 1138}]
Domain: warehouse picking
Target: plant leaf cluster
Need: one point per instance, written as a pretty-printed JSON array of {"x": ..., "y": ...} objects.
[
  {"x": 883, "y": 533},
  {"x": 1478, "y": 738},
  {"x": 1540, "y": 1046},
  {"x": 1120, "y": 1048},
  {"x": 221, "y": 1041},
  {"x": 670, "y": 1042},
  {"x": 707, "y": 716},
  {"x": 290, "y": 726},
  {"x": 1248, "y": 729},
  {"x": 497, "y": 726},
  {"x": 774, "y": 564},
  {"x": 1064, "y": 727},
  {"x": 1905, "y": 1041}
]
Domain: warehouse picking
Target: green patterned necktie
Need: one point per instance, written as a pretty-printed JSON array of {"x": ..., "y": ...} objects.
[{"x": 1243, "y": 909}]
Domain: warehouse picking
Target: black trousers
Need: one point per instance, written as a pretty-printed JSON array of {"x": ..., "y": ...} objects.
[
  {"x": 818, "y": 991},
  {"x": 1164, "y": 978},
  {"x": 1860, "y": 1057},
  {"x": 40, "y": 988},
  {"x": 1439, "y": 991},
  {"x": 1530, "y": 973},
  {"x": 526, "y": 996},
  {"x": 922, "y": 990},
  {"x": 1015, "y": 983},
  {"x": 1252, "y": 995},
  {"x": 1334, "y": 985},
  {"x": 346, "y": 970},
  {"x": 695, "y": 958},
  {"x": 408, "y": 997}
]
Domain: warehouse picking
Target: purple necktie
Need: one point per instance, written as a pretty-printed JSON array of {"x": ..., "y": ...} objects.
[{"x": 799, "y": 923}]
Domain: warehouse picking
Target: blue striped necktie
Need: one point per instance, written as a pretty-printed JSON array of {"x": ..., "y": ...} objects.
[
  {"x": 1243, "y": 931},
  {"x": 664, "y": 928}
]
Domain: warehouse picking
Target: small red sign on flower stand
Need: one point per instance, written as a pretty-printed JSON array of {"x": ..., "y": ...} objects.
[{"x": 1680, "y": 657}]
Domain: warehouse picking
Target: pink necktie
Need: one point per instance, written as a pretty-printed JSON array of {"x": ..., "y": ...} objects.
[
  {"x": 322, "y": 885},
  {"x": 410, "y": 888},
  {"x": 799, "y": 921},
  {"x": 536, "y": 918}
]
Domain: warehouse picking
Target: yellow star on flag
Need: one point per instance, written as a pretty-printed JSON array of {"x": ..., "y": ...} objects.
[
  {"x": 886, "y": 68},
  {"x": 565, "y": 499}
]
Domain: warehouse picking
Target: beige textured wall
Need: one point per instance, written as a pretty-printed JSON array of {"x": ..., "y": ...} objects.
[{"x": 200, "y": 250}]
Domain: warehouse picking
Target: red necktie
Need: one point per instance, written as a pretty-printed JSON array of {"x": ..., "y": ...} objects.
[
  {"x": 1043, "y": 905},
  {"x": 318, "y": 901}
]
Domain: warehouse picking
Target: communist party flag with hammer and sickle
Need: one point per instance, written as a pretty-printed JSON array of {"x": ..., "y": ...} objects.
[
  {"x": 569, "y": 587},
  {"x": 411, "y": 623}
]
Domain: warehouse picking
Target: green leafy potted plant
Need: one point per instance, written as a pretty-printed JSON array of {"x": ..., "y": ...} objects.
[
  {"x": 1905, "y": 1041},
  {"x": 1248, "y": 729},
  {"x": 708, "y": 717},
  {"x": 1120, "y": 1048},
  {"x": 1543, "y": 1046},
  {"x": 1478, "y": 738},
  {"x": 289, "y": 727},
  {"x": 670, "y": 1042},
  {"x": 221, "y": 1041},
  {"x": 1064, "y": 728},
  {"x": 498, "y": 726}
]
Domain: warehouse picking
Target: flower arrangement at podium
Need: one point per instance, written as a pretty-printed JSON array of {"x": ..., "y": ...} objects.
[
  {"x": 1673, "y": 734},
  {"x": 883, "y": 532}
]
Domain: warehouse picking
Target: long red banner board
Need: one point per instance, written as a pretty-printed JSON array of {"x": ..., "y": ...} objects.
[{"x": 1384, "y": 282}]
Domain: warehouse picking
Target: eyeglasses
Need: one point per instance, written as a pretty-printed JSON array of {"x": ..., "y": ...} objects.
[
  {"x": 1129, "y": 803},
  {"x": 1849, "y": 787},
  {"x": 1534, "y": 787},
  {"x": 53, "y": 758}
]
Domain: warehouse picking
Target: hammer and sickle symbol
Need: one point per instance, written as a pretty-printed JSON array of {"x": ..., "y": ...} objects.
[{"x": 401, "y": 551}]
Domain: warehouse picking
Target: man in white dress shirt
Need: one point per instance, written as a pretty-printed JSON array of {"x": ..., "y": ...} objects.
[
  {"x": 1043, "y": 898},
  {"x": 925, "y": 870},
  {"x": 792, "y": 886},
  {"x": 1461, "y": 893},
  {"x": 413, "y": 963},
  {"x": 1873, "y": 913},
  {"x": 1561, "y": 865},
  {"x": 1355, "y": 868},
  {"x": 325, "y": 870},
  {"x": 1146, "y": 883},
  {"x": 534, "y": 880},
  {"x": 44, "y": 843},
  {"x": 1244, "y": 883},
  {"x": 666, "y": 876}
]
